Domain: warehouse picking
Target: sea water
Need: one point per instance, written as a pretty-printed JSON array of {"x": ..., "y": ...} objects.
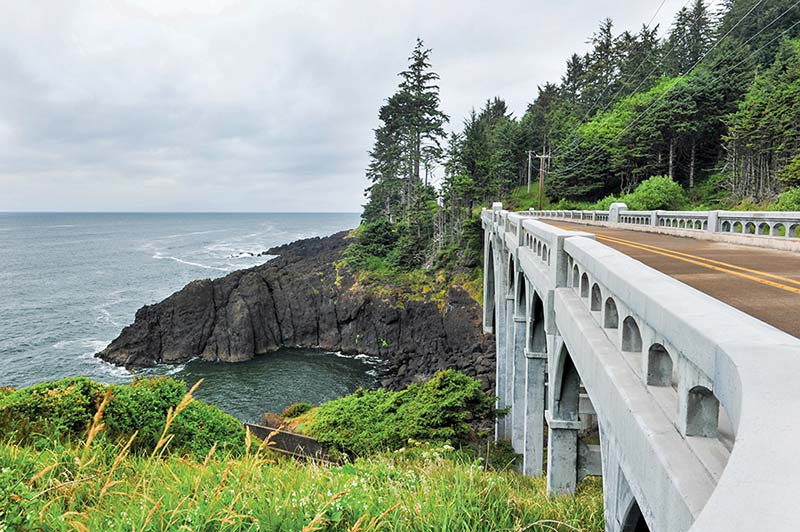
[{"x": 70, "y": 282}]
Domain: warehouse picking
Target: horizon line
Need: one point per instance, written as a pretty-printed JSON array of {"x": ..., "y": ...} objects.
[{"x": 179, "y": 212}]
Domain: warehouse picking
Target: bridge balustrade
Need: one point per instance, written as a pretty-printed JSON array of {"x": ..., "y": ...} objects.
[
  {"x": 692, "y": 401},
  {"x": 759, "y": 223}
]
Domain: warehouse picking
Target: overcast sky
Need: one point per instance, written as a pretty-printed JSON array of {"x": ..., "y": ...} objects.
[{"x": 203, "y": 105}]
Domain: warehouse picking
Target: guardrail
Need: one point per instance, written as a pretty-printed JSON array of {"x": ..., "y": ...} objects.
[{"x": 757, "y": 223}]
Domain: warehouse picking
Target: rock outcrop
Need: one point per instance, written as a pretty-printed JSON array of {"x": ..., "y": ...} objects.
[{"x": 298, "y": 299}]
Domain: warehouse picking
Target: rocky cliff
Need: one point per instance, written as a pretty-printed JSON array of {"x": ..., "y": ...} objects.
[{"x": 299, "y": 299}]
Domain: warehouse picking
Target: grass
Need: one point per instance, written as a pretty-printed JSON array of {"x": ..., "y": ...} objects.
[{"x": 95, "y": 484}]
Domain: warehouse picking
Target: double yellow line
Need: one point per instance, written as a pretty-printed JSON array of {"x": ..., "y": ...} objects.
[{"x": 716, "y": 265}]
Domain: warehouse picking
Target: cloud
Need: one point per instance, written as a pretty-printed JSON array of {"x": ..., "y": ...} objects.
[{"x": 248, "y": 106}]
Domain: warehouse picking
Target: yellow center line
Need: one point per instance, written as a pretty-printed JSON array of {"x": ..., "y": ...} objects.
[
  {"x": 704, "y": 259},
  {"x": 705, "y": 265}
]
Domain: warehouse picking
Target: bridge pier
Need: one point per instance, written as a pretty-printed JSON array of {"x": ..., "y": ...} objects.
[
  {"x": 508, "y": 389},
  {"x": 563, "y": 425},
  {"x": 519, "y": 374},
  {"x": 533, "y": 432}
]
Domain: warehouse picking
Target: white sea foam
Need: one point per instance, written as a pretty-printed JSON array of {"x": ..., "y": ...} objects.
[
  {"x": 159, "y": 256},
  {"x": 193, "y": 233}
]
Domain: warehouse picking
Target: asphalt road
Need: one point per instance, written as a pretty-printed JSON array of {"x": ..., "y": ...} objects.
[{"x": 761, "y": 282}]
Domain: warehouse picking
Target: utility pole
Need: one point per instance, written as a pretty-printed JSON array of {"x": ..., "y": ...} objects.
[
  {"x": 529, "y": 171},
  {"x": 541, "y": 175}
]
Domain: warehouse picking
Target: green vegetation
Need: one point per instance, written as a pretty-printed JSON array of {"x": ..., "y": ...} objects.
[
  {"x": 296, "y": 409},
  {"x": 420, "y": 488},
  {"x": 63, "y": 409},
  {"x": 705, "y": 118},
  {"x": 369, "y": 421},
  {"x": 91, "y": 479}
]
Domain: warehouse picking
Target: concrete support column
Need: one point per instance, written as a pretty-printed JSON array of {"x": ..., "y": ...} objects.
[
  {"x": 508, "y": 365},
  {"x": 518, "y": 386},
  {"x": 533, "y": 434},
  {"x": 500, "y": 362},
  {"x": 654, "y": 218},
  {"x": 562, "y": 456}
]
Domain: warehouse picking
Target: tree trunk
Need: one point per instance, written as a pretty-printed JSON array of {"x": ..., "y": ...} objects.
[
  {"x": 692, "y": 162},
  {"x": 671, "y": 158}
]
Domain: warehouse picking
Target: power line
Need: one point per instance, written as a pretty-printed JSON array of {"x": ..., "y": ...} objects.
[
  {"x": 647, "y": 26},
  {"x": 689, "y": 71},
  {"x": 644, "y": 79}
]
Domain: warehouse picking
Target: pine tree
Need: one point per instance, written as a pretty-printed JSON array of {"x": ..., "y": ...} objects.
[{"x": 408, "y": 146}]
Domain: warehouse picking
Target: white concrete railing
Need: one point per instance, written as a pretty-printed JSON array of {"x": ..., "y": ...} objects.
[
  {"x": 696, "y": 401},
  {"x": 758, "y": 223}
]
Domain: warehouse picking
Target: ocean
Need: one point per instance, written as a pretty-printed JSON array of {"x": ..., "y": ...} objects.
[{"x": 69, "y": 282}]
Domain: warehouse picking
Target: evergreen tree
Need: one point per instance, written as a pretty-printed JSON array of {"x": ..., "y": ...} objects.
[{"x": 408, "y": 146}]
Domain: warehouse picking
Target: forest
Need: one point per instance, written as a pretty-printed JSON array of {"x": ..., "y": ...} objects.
[{"x": 704, "y": 117}]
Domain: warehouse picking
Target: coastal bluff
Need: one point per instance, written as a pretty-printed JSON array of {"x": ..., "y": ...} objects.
[{"x": 300, "y": 299}]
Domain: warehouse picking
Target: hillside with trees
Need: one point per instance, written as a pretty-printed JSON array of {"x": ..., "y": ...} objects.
[{"x": 705, "y": 117}]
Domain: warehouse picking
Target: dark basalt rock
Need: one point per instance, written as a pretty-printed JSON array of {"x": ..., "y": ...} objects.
[{"x": 296, "y": 299}]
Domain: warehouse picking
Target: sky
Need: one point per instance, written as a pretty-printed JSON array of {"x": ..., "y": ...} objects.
[{"x": 200, "y": 105}]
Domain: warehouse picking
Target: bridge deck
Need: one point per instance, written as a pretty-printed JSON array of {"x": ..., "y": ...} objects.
[{"x": 761, "y": 282}]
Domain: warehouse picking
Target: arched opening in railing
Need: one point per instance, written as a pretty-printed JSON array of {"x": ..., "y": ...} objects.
[
  {"x": 610, "y": 315},
  {"x": 596, "y": 301},
  {"x": 763, "y": 229},
  {"x": 544, "y": 253},
  {"x": 584, "y": 285},
  {"x": 634, "y": 520},
  {"x": 750, "y": 228},
  {"x": 538, "y": 337},
  {"x": 737, "y": 227},
  {"x": 778, "y": 230},
  {"x": 726, "y": 227},
  {"x": 702, "y": 413},
  {"x": 576, "y": 276},
  {"x": 631, "y": 337},
  {"x": 539, "y": 249},
  {"x": 659, "y": 366},
  {"x": 794, "y": 231}
]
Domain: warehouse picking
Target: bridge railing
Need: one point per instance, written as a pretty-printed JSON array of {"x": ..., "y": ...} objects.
[
  {"x": 757, "y": 223},
  {"x": 723, "y": 381}
]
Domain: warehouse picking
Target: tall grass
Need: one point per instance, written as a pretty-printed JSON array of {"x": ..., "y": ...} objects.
[{"x": 95, "y": 485}]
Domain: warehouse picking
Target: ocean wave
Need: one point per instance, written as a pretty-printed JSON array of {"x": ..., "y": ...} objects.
[
  {"x": 178, "y": 235},
  {"x": 159, "y": 256}
]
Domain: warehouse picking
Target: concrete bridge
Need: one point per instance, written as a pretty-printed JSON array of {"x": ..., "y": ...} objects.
[{"x": 687, "y": 406}]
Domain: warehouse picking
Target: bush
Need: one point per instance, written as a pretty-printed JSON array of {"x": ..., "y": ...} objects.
[
  {"x": 440, "y": 410},
  {"x": 49, "y": 410},
  {"x": 296, "y": 409},
  {"x": 657, "y": 192},
  {"x": 788, "y": 200},
  {"x": 62, "y": 410},
  {"x": 605, "y": 203}
]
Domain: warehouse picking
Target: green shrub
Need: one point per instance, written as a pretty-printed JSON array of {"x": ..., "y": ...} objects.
[
  {"x": 142, "y": 405},
  {"x": 439, "y": 410},
  {"x": 62, "y": 410},
  {"x": 296, "y": 409},
  {"x": 605, "y": 203},
  {"x": 657, "y": 192},
  {"x": 788, "y": 200},
  {"x": 201, "y": 425},
  {"x": 49, "y": 410}
]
